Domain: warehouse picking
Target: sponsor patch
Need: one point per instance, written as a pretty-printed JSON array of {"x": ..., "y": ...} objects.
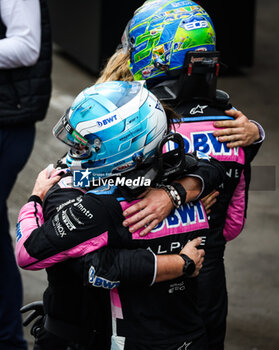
[
  {"x": 201, "y": 155},
  {"x": 198, "y": 109},
  {"x": 58, "y": 227},
  {"x": 18, "y": 232},
  {"x": 83, "y": 210},
  {"x": 97, "y": 281},
  {"x": 70, "y": 226},
  {"x": 177, "y": 287},
  {"x": 187, "y": 215},
  {"x": 107, "y": 121}
]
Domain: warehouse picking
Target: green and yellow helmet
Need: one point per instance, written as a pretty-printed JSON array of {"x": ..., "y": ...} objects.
[{"x": 160, "y": 34}]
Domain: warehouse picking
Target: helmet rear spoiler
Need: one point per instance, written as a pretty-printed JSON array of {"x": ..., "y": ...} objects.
[{"x": 196, "y": 80}]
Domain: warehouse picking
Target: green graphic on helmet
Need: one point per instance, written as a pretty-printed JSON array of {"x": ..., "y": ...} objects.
[{"x": 160, "y": 34}]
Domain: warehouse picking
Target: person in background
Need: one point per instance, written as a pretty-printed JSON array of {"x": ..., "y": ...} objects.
[
  {"x": 25, "y": 89},
  {"x": 171, "y": 45}
]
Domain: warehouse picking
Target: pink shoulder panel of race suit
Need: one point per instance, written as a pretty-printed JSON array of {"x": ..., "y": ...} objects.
[
  {"x": 198, "y": 136},
  {"x": 235, "y": 219},
  {"x": 188, "y": 218},
  {"x": 30, "y": 218}
]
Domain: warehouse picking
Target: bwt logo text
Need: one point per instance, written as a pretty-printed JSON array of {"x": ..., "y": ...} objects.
[
  {"x": 207, "y": 143},
  {"x": 107, "y": 121},
  {"x": 98, "y": 281}
]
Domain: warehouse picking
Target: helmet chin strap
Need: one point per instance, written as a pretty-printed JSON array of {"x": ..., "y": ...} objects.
[
  {"x": 164, "y": 166},
  {"x": 196, "y": 80}
]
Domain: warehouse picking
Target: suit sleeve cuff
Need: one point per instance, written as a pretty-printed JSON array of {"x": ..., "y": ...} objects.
[
  {"x": 261, "y": 131},
  {"x": 36, "y": 199}
]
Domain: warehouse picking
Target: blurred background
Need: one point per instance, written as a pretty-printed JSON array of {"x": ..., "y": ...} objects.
[{"x": 85, "y": 34}]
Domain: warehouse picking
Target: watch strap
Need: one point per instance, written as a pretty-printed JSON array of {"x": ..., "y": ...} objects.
[
  {"x": 189, "y": 265},
  {"x": 181, "y": 191}
]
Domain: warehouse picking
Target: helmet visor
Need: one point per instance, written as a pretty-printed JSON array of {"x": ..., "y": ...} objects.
[
  {"x": 65, "y": 132},
  {"x": 125, "y": 41}
]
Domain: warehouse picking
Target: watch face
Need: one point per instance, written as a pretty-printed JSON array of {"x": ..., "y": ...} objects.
[{"x": 189, "y": 267}]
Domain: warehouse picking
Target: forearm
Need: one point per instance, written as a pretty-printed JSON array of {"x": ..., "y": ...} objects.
[
  {"x": 29, "y": 219},
  {"x": 201, "y": 182},
  {"x": 61, "y": 237},
  {"x": 192, "y": 186},
  {"x": 108, "y": 267},
  {"x": 21, "y": 46},
  {"x": 206, "y": 175},
  {"x": 169, "y": 267}
]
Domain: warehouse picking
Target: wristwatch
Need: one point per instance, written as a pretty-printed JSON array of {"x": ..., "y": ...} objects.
[{"x": 189, "y": 265}]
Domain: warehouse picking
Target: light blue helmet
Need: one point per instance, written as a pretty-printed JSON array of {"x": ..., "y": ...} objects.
[{"x": 111, "y": 128}]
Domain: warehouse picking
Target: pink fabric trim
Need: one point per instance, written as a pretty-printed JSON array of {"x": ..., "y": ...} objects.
[
  {"x": 116, "y": 307},
  {"x": 27, "y": 223},
  {"x": 199, "y": 137},
  {"x": 190, "y": 217},
  {"x": 75, "y": 252},
  {"x": 235, "y": 219}
]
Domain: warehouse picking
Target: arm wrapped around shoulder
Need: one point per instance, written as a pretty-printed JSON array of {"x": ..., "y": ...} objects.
[
  {"x": 108, "y": 267},
  {"x": 210, "y": 171}
]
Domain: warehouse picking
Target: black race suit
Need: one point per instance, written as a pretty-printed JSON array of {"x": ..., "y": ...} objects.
[
  {"x": 228, "y": 214},
  {"x": 147, "y": 317}
]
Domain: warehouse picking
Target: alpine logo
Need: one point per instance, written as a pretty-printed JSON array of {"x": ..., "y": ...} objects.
[
  {"x": 201, "y": 155},
  {"x": 159, "y": 106}
]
